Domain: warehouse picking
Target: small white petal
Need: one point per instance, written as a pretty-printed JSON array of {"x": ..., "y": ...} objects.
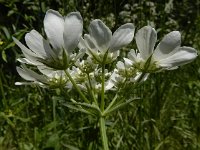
[
  {"x": 120, "y": 65},
  {"x": 111, "y": 82},
  {"x": 145, "y": 39},
  {"x": 183, "y": 56},
  {"x": 128, "y": 63},
  {"x": 72, "y": 30},
  {"x": 54, "y": 28},
  {"x": 168, "y": 45},
  {"x": 23, "y": 83},
  {"x": 80, "y": 54},
  {"x": 122, "y": 37},
  {"x": 81, "y": 44},
  {"x": 100, "y": 34},
  {"x": 109, "y": 85},
  {"x": 115, "y": 55}
]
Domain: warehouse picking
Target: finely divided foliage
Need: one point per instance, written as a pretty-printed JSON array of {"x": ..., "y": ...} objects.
[{"x": 89, "y": 70}]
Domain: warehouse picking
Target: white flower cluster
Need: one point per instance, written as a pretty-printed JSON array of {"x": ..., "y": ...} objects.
[{"x": 89, "y": 59}]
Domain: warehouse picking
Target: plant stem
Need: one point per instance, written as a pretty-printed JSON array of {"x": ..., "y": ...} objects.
[
  {"x": 54, "y": 113},
  {"x": 103, "y": 133},
  {"x": 2, "y": 91},
  {"x": 76, "y": 87},
  {"x": 103, "y": 82},
  {"x": 102, "y": 88},
  {"x": 91, "y": 89},
  {"x": 111, "y": 104}
]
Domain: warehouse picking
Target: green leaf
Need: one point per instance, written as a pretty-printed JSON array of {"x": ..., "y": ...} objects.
[
  {"x": 53, "y": 142},
  {"x": 117, "y": 106},
  {"x": 71, "y": 106},
  {"x": 4, "y": 57}
]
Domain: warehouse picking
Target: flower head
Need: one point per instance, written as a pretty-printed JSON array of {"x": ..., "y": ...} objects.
[
  {"x": 168, "y": 54},
  {"x": 63, "y": 34},
  {"x": 100, "y": 40}
]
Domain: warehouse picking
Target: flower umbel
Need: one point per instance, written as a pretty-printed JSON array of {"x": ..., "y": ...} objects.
[{"x": 100, "y": 88}]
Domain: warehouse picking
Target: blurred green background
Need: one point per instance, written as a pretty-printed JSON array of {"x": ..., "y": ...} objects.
[{"x": 166, "y": 118}]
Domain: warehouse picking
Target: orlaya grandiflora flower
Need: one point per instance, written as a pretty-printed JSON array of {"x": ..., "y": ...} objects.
[
  {"x": 168, "y": 54},
  {"x": 101, "y": 45},
  {"x": 48, "y": 78},
  {"x": 86, "y": 65},
  {"x": 63, "y": 33}
]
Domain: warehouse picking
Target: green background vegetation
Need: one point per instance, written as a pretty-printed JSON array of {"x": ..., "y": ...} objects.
[{"x": 167, "y": 117}]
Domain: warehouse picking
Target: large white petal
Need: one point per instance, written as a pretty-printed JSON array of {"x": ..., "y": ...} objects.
[
  {"x": 91, "y": 48},
  {"x": 183, "y": 56},
  {"x": 168, "y": 45},
  {"x": 128, "y": 63},
  {"x": 120, "y": 65},
  {"x": 89, "y": 43},
  {"x": 145, "y": 39},
  {"x": 132, "y": 56},
  {"x": 72, "y": 30},
  {"x": 45, "y": 70},
  {"x": 32, "y": 57},
  {"x": 25, "y": 75},
  {"x": 25, "y": 61},
  {"x": 38, "y": 45},
  {"x": 115, "y": 54},
  {"x": 54, "y": 28},
  {"x": 122, "y": 37},
  {"x": 31, "y": 74},
  {"x": 100, "y": 34},
  {"x": 111, "y": 82}
]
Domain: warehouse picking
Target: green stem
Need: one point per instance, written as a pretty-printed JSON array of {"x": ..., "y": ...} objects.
[
  {"x": 111, "y": 104},
  {"x": 91, "y": 89},
  {"x": 103, "y": 88},
  {"x": 103, "y": 82},
  {"x": 54, "y": 113},
  {"x": 76, "y": 87},
  {"x": 2, "y": 91},
  {"x": 103, "y": 133}
]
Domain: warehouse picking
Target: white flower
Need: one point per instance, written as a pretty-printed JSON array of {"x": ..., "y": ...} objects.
[
  {"x": 92, "y": 80},
  {"x": 168, "y": 54},
  {"x": 86, "y": 66},
  {"x": 100, "y": 40},
  {"x": 48, "y": 78},
  {"x": 127, "y": 71},
  {"x": 63, "y": 34}
]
